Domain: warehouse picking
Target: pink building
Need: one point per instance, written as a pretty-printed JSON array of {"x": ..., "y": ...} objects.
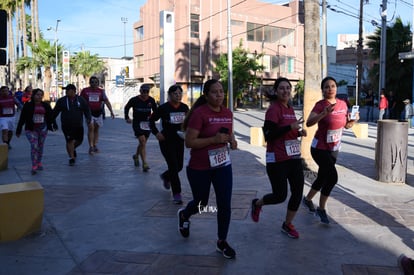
[{"x": 201, "y": 36}]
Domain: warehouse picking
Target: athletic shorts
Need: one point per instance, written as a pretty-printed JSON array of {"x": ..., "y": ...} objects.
[
  {"x": 7, "y": 123},
  {"x": 138, "y": 129},
  {"x": 97, "y": 120},
  {"x": 73, "y": 133}
]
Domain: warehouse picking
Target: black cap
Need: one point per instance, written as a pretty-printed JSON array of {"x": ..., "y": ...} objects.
[
  {"x": 70, "y": 87},
  {"x": 145, "y": 87}
]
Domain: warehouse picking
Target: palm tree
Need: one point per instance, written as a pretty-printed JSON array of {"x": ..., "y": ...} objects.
[
  {"x": 35, "y": 21},
  {"x": 312, "y": 73},
  {"x": 43, "y": 56},
  {"x": 398, "y": 41},
  {"x": 10, "y": 6},
  {"x": 23, "y": 35},
  {"x": 84, "y": 64}
]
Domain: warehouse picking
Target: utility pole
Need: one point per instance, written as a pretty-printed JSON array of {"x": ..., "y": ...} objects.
[
  {"x": 324, "y": 41},
  {"x": 124, "y": 20},
  {"x": 230, "y": 56},
  {"x": 383, "y": 50},
  {"x": 360, "y": 68},
  {"x": 261, "y": 78},
  {"x": 56, "y": 59}
]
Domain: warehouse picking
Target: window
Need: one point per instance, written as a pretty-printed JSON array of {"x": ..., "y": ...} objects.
[
  {"x": 195, "y": 59},
  {"x": 275, "y": 64},
  {"x": 237, "y": 23},
  {"x": 251, "y": 31},
  {"x": 291, "y": 65},
  {"x": 195, "y": 19},
  {"x": 139, "y": 61},
  {"x": 140, "y": 33},
  {"x": 271, "y": 34}
]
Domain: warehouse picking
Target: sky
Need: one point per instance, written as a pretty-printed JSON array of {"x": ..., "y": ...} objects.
[
  {"x": 90, "y": 25},
  {"x": 96, "y": 25}
]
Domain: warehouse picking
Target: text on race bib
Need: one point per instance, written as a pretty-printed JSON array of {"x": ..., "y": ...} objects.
[
  {"x": 292, "y": 147},
  {"x": 219, "y": 156}
]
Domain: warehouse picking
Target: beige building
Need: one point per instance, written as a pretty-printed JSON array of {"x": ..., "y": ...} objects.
[{"x": 201, "y": 36}]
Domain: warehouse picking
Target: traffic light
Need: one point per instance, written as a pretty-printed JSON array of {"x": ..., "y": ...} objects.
[
  {"x": 3, "y": 29},
  {"x": 127, "y": 71}
]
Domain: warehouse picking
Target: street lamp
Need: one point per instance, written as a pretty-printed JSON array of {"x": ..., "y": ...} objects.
[
  {"x": 261, "y": 78},
  {"x": 56, "y": 55},
  {"x": 278, "y": 56},
  {"x": 124, "y": 20}
]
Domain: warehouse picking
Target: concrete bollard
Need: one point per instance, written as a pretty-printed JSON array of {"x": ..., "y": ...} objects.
[
  {"x": 360, "y": 130},
  {"x": 21, "y": 210},
  {"x": 391, "y": 151},
  {"x": 256, "y": 136}
]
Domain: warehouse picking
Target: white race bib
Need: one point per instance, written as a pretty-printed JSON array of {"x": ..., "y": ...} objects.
[
  {"x": 292, "y": 147},
  {"x": 144, "y": 125},
  {"x": 94, "y": 98},
  {"x": 38, "y": 118},
  {"x": 333, "y": 136},
  {"x": 7, "y": 111},
  {"x": 219, "y": 156},
  {"x": 177, "y": 118}
]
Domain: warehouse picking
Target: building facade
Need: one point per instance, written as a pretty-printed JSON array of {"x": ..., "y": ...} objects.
[{"x": 201, "y": 34}]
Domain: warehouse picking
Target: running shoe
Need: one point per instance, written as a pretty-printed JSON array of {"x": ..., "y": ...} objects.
[
  {"x": 71, "y": 162},
  {"x": 224, "y": 248},
  {"x": 33, "y": 172},
  {"x": 177, "y": 199},
  {"x": 145, "y": 167},
  {"x": 290, "y": 230},
  {"x": 255, "y": 210},
  {"x": 90, "y": 150},
  {"x": 406, "y": 264},
  {"x": 136, "y": 160},
  {"x": 95, "y": 149},
  {"x": 183, "y": 224},
  {"x": 322, "y": 214},
  {"x": 309, "y": 205},
  {"x": 165, "y": 182}
]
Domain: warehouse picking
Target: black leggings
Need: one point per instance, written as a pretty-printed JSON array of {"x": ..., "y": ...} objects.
[
  {"x": 173, "y": 152},
  {"x": 327, "y": 174},
  {"x": 279, "y": 173}
]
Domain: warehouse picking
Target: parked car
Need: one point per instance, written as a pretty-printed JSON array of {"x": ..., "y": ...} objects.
[{"x": 345, "y": 98}]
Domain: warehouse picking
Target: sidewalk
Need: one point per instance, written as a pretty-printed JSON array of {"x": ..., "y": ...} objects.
[{"x": 105, "y": 216}]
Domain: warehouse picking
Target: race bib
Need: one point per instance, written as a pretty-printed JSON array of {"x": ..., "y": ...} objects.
[
  {"x": 333, "y": 136},
  {"x": 177, "y": 118},
  {"x": 219, "y": 156},
  {"x": 7, "y": 111},
  {"x": 94, "y": 98},
  {"x": 144, "y": 125},
  {"x": 38, "y": 118},
  {"x": 292, "y": 147},
  {"x": 270, "y": 157}
]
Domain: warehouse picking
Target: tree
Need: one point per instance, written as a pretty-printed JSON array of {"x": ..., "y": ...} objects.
[
  {"x": 398, "y": 40},
  {"x": 299, "y": 90},
  {"x": 10, "y": 6},
  {"x": 43, "y": 55},
  {"x": 86, "y": 65},
  {"x": 312, "y": 74},
  {"x": 245, "y": 69}
]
